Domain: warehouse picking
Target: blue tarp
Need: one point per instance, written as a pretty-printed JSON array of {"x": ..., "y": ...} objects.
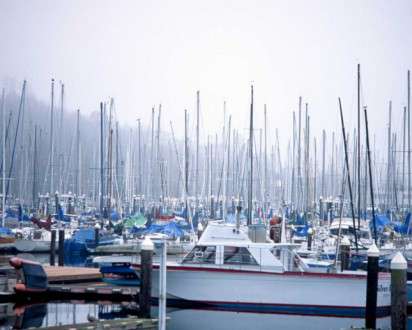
[
  {"x": 171, "y": 229},
  {"x": 114, "y": 215},
  {"x": 83, "y": 235},
  {"x": 381, "y": 221},
  {"x": 301, "y": 231},
  {"x": 403, "y": 228},
  {"x": 5, "y": 231},
  {"x": 300, "y": 219}
]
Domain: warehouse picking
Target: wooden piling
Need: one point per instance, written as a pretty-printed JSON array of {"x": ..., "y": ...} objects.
[
  {"x": 61, "y": 247},
  {"x": 52, "y": 247},
  {"x": 145, "y": 295},
  {"x": 399, "y": 297},
  {"x": 310, "y": 236},
  {"x": 344, "y": 254},
  {"x": 372, "y": 287},
  {"x": 199, "y": 230},
  {"x": 96, "y": 235}
]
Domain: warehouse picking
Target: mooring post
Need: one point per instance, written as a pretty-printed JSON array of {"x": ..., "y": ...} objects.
[
  {"x": 399, "y": 297},
  {"x": 344, "y": 254},
  {"x": 61, "y": 247},
  {"x": 96, "y": 234},
  {"x": 146, "y": 261},
  {"x": 52, "y": 247},
  {"x": 162, "y": 286},
  {"x": 310, "y": 236},
  {"x": 199, "y": 229},
  {"x": 372, "y": 287},
  {"x": 212, "y": 207}
]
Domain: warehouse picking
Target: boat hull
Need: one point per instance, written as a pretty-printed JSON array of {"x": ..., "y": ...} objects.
[
  {"x": 25, "y": 245},
  {"x": 262, "y": 292}
]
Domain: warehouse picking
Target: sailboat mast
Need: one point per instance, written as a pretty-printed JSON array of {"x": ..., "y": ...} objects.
[
  {"x": 348, "y": 173},
  {"x": 265, "y": 172},
  {"x": 359, "y": 154},
  {"x": 3, "y": 120},
  {"x": 227, "y": 169},
  {"x": 61, "y": 139},
  {"x": 368, "y": 152},
  {"x": 51, "y": 138},
  {"x": 409, "y": 141},
  {"x": 250, "y": 190},
  {"x": 140, "y": 155},
  {"x": 197, "y": 146},
  {"x": 186, "y": 161},
  {"x": 78, "y": 153},
  {"x": 388, "y": 170},
  {"x": 101, "y": 161},
  {"x": 34, "y": 192}
]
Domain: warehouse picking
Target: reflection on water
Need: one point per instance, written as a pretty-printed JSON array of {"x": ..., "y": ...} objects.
[
  {"x": 51, "y": 314},
  {"x": 222, "y": 320}
]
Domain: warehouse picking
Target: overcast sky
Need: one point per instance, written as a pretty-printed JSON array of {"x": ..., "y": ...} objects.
[{"x": 148, "y": 52}]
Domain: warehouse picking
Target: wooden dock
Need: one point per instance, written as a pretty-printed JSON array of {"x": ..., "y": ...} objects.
[
  {"x": 126, "y": 323},
  {"x": 72, "y": 274}
]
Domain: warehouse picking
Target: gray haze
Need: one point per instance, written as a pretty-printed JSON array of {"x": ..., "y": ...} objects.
[{"x": 148, "y": 52}]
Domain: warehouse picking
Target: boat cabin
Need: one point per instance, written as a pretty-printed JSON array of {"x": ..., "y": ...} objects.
[{"x": 227, "y": 246}]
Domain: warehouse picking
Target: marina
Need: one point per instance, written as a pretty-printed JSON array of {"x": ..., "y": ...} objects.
[{"x": 219, "y": 165}]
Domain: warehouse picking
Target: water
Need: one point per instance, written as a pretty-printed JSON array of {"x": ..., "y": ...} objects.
[{"x": 63, "y": 313}]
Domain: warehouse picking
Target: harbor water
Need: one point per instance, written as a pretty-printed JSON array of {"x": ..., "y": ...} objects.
[{"x": 68, "y": 313}]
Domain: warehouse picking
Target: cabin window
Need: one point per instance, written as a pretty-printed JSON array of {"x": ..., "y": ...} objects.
[
  {"x": 234, "y": 255},
  {"x": 201, "y": 255}
]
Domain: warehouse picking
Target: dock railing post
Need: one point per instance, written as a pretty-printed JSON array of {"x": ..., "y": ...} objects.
[
  {"x": 399, "y": 297},
  {"x": 162, "y": 286},
  {"x": 372, "y": 287},
  {"x": 52, "y": 247},
  {"x": 61, "y": 247},
  {"x": 146, "y": 261}
]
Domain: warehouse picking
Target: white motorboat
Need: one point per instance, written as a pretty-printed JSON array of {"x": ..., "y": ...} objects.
[
  {"x": 33, "y": 240},
  {"x": 226, "y": 270}
]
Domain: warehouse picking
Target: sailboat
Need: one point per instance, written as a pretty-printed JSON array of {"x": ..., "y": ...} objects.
[{"x": 228, "y": 271}]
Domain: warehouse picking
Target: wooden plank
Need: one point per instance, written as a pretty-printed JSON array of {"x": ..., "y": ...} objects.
[{"x": 67, "y": 274}]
